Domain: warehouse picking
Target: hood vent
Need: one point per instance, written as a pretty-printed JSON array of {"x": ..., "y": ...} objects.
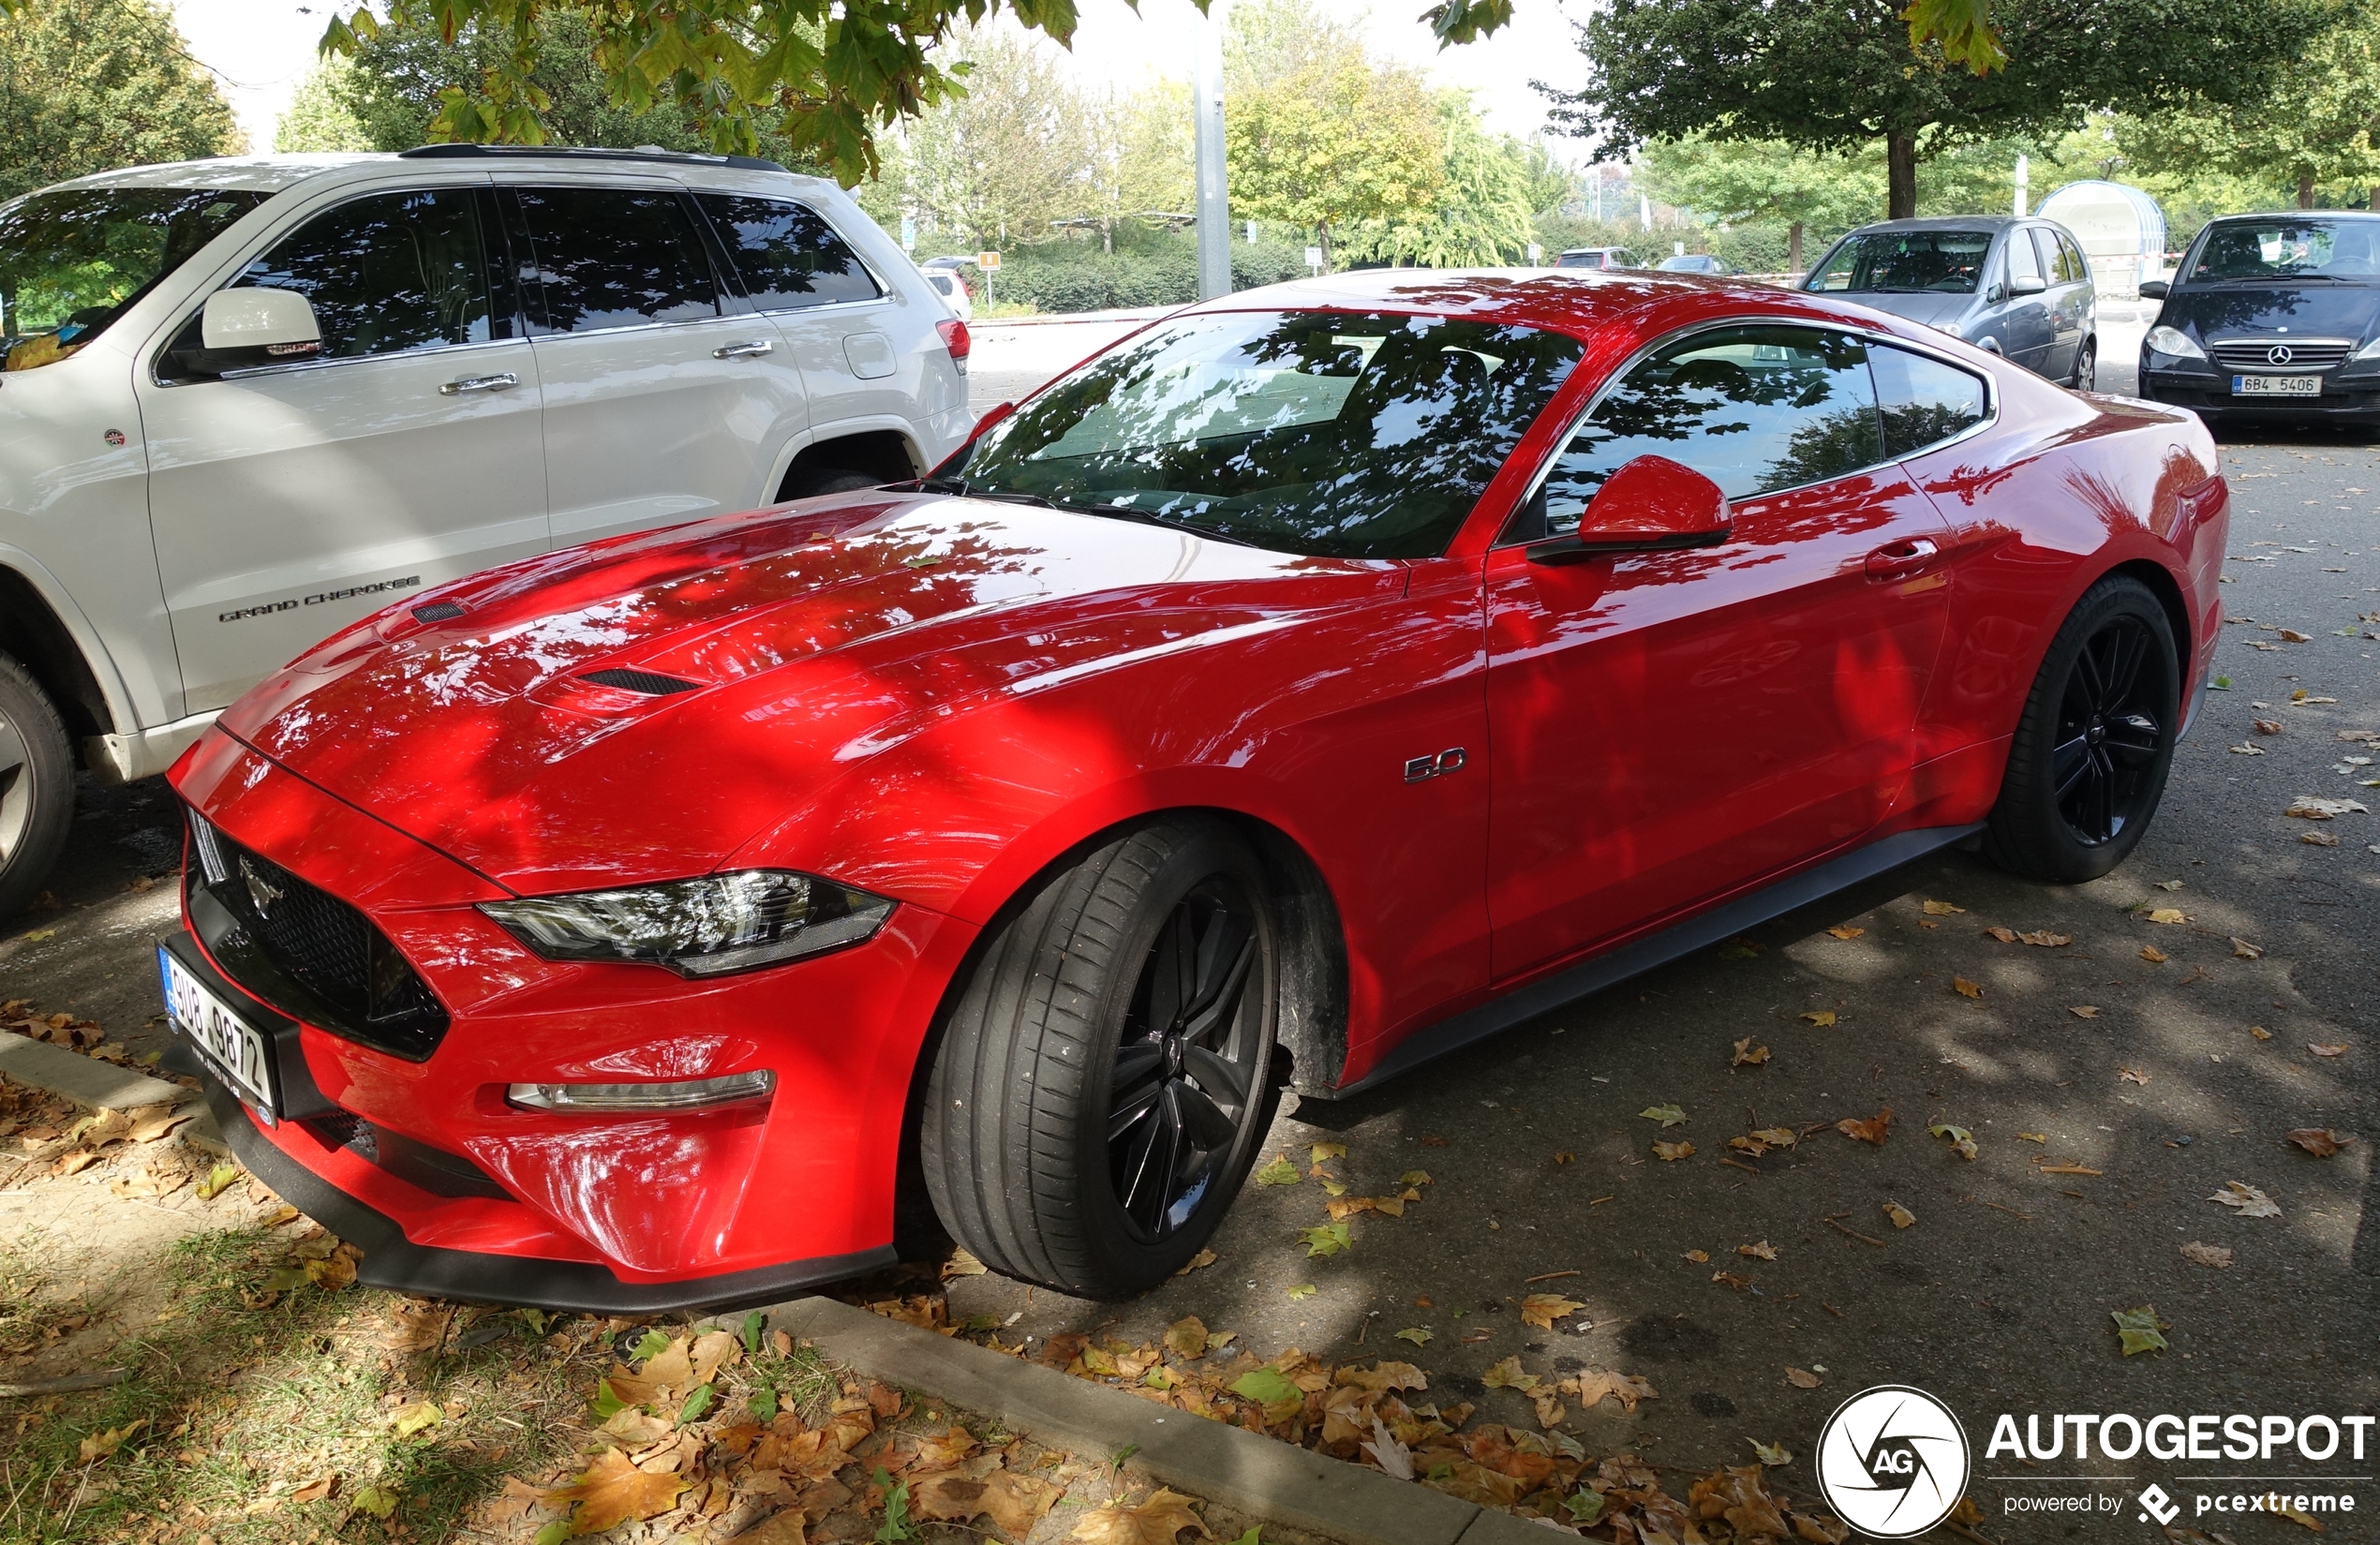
[
  {"x": 650, "y": 683},
  {"x": 437, "y": 611}
]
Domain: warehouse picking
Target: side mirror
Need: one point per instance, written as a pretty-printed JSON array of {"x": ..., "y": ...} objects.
[
  {"x": 1650, "y": 505},
  {"x": 2154, "y": 289},
  {"x": 278, "y": 323},
  {"x": 2027, "y": 286}
]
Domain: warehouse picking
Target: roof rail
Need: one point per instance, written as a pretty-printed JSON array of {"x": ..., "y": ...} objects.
[{"x": 466, "y": 151}]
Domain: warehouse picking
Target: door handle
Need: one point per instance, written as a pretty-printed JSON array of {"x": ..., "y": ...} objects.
[
  {"x": 479, "y": 383},
  {"x": 743, "y": 350},
  {"x": 1901, "y": 559}
]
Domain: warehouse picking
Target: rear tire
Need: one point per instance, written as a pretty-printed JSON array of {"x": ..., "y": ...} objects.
[
  {"x": 1101, "y": 1088},
  {"x": 2089, "y": 761},
  {"x": 36, "y": 786},
  {"x": 2086, "y": 366}
]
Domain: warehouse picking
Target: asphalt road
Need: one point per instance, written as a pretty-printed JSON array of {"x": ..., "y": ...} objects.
[{"x": 1997, "y": 1297}]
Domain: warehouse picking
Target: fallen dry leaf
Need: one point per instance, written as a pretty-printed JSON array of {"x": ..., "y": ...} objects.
[
  {"x": 1966, "y": 988},
  {"x": 1802, "y": 1378},
  {"x": 2265, "y": 727},
  {"x": 1844, "y": 930},
  {"x": 2310, "y": 806},
  {"x": 1941, "y": 909},
  {"x": 2246, "y": 1200},
  {"x": 2006, "y": 936},
  {"x": 1747, "y": 1054},
  {"x": 1778, "y": 1137},
  {"x": 1732, "y": 1279},
  {"x": 1760, "y": 1250},
  {"x": 2046, "y": 939},
  {"x": 2131, "y": 1076},
  {"x": 1508, "y": 1374},
  {"x": 2318, "y": 839},
  {"x": 2154, "y": 955},
  {"x": 1204, "y": 1258},
  {"x": 1874, "y": 1130},
  {"x": 2322, "y": 1049},
  {"x": 1671, "y": 1152},
  {"x": 1596, "y": 1387},
  {"x": 2293, "y": 636},
  {"x": 2260, "y": 1032},
  {"x": 2216, "y": 1255},
  {"x": 1902, "y": 1217},
  {"x": 2320, "y": 1141},
  {"x": 2242, "y": 950},
  {"x": 781, "y": 1528},
  {"x": 1187, "y": 1337},
  {"x": 101, "y": 1444},
  {"x": 1542, "y": 1309},
  {"x": 612, "y": 1491},
  {"x": 1700, "y": 1257},
  {"x": 2168, "y": 915},
  {"x": 1820, "y": 1017},
  {"x": 2085, "y": 1011}
]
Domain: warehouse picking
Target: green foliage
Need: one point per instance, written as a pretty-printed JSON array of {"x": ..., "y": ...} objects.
[
  {"x": 1148, "y": 268},
  {"x": 318, "y": 118},
  {"x": 1834, "y": 77},
  {"x": 89, "y": 85},
  {"x": 1338, "y": 145},
  {"x": 896, "y": 1526},
  {"x": 998, "y": 164},
  {"x": 1483, "y": 215}
]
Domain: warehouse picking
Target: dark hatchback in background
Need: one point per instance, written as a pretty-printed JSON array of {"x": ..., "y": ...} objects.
[
  {"x": 2271, "y": 316},
  {"x": 2016, "y": 288}
]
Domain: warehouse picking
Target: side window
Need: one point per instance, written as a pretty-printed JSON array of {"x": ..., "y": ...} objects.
[
  {"x": 2023, "y": 262},
  {"x": 2074, "y": 258},
  {"x": 1623, "y": 258},
  {"x": 786, "y": 256},
  {"x": 386, "y": 273},
  {"x": 616, "y": 258},
  {"x": 2053, "y": 257},
  {"x": 1922, "y": 400},
  {"x": 1753, "y": 409}
]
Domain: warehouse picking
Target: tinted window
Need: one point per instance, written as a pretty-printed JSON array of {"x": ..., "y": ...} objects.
[
  {"x": 1623, "y": 258},
  {"x": 1753, "y": 409},
  {"x": 786, "y": 255},
  {"x": 71, "y": 260},
  {"x": 2023, "y": 262},
  {"x": 393, "y": 272},
  {"x": 1340, "y": 433},
  {"x": 1905, "y": 262},
  {"x": 1922, "y": 400},
  {"x": 2075, "y": 263},
  {"x": 616, "y": 258}
]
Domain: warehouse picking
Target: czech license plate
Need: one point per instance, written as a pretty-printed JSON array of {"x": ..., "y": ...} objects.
[
  {"x": 235, "y": 1049},
  {"x": 2276, "y": 386}
]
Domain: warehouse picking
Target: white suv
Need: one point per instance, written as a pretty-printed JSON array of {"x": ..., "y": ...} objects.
[{"x": 247, "y": 402}]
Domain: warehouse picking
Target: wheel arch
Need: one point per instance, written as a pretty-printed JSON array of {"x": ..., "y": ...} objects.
[
  {"x": 2167, "y": 590},
  {"x": 887, "y": 455},
  {"x": 38, "y": 637}
]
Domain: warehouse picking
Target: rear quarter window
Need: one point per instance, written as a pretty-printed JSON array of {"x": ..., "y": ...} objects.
[{"x": 786, "y": 255}]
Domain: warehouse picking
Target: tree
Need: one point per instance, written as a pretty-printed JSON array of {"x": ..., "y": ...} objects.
[
  {"x": 1482, "y": 213},
  {"x": 1001, "y": 162},
  {"x": 1748, "y": 180},
  {"x": 1832, "y": 74},
  {"x": 1333, "y": 146},
  {"x": 88, "y": 85},
  {"x": 1141, "y": 154},
  {"x": 2321, "y": 123},
  {"x": 318, "y": 117}
]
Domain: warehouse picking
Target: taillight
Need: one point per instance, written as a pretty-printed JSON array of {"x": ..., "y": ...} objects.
[{"x": 953, "y": 338}]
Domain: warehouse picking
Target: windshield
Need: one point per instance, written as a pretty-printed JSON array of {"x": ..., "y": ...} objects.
[
  {"x": 2288, "y": 249},
  {"x": 72, "y": 260},
  {"x": 1948, "y": 262},
  {"x": 1349, "y": 435}
]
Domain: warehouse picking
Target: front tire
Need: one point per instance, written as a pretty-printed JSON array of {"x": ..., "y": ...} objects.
[
  {"x": 1102, "y": 1084},
  {"x": 36, "y": 786},
  {"x": 2089, "y": 761},
  {"x": 2086, "y": 366}
]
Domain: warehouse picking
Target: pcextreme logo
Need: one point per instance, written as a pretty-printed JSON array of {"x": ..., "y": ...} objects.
[{"x": 1893, "y": 1462}]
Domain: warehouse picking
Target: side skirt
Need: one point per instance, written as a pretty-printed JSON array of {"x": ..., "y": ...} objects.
[{"x": 1683, "y": 938}]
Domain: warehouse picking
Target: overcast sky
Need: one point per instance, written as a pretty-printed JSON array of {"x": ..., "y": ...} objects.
[{"x": 260, "y": 49}]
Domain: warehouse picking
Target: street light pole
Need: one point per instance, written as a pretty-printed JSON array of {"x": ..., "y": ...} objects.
[{"x": 1215, "y": 203}]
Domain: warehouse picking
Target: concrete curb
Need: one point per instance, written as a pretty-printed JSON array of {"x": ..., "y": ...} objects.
[
  {"x": 85, "y": 1080},
  {"x": 1260, "y": 1477}
]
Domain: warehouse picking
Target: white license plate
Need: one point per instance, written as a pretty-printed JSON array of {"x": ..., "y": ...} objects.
[
  {"x": 2276, "y": 386},
  {"x": 235, "y": 1048}
]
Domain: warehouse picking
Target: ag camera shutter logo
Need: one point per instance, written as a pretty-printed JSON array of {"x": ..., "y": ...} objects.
[{"x": 1893, "y": 1462}]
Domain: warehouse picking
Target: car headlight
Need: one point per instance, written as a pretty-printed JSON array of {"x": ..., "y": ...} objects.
[
  {"x": 2368, "y": 351},
  {"x": 2174, "y": 342},
  {"x": 709, "y": 926}
]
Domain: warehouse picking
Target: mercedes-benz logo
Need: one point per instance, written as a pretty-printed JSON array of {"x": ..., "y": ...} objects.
[{"x": 2278, "y": 354}]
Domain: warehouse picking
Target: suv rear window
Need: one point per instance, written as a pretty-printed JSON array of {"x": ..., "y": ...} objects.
[
  {"x": 617, "y": 258},
  {"x": 786, "y": 256}
]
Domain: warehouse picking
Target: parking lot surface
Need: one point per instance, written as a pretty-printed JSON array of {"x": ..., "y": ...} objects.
[{"x": 2167, "y": 1029}]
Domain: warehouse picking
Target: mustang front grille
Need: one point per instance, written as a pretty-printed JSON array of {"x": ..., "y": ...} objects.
[{"x": 305, "y": 951}]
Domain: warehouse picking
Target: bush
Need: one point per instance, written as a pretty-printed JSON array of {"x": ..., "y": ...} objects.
[{"x": 1159, "y": 268}]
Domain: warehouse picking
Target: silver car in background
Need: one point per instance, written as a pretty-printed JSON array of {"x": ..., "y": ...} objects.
[{"x": 2018, "y": 288}]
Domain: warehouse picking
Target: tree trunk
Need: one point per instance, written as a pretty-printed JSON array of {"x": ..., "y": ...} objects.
[
  {"x": 1793, "y": 246},
  {"x": 1900, "y": 165},
  {"x": 2305, "y": 193},
  {"x": 2376, "y": 195},
  {"x": 1322, "y": 239}
]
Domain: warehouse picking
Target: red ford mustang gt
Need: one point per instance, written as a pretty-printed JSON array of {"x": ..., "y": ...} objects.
[{"x": 1313, "y": 683}]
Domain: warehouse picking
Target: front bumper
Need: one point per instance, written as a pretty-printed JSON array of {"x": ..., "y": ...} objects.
[
  {"x": 453, "y": 1191},
  {"x": 2351, "y": 398}
]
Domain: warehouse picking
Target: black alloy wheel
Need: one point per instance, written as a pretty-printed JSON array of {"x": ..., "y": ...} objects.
[
  {"x": 2109, "y": 733},
  {"x": 1185, "y": 1065},
  {"x": 2087, "y": 765}
]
